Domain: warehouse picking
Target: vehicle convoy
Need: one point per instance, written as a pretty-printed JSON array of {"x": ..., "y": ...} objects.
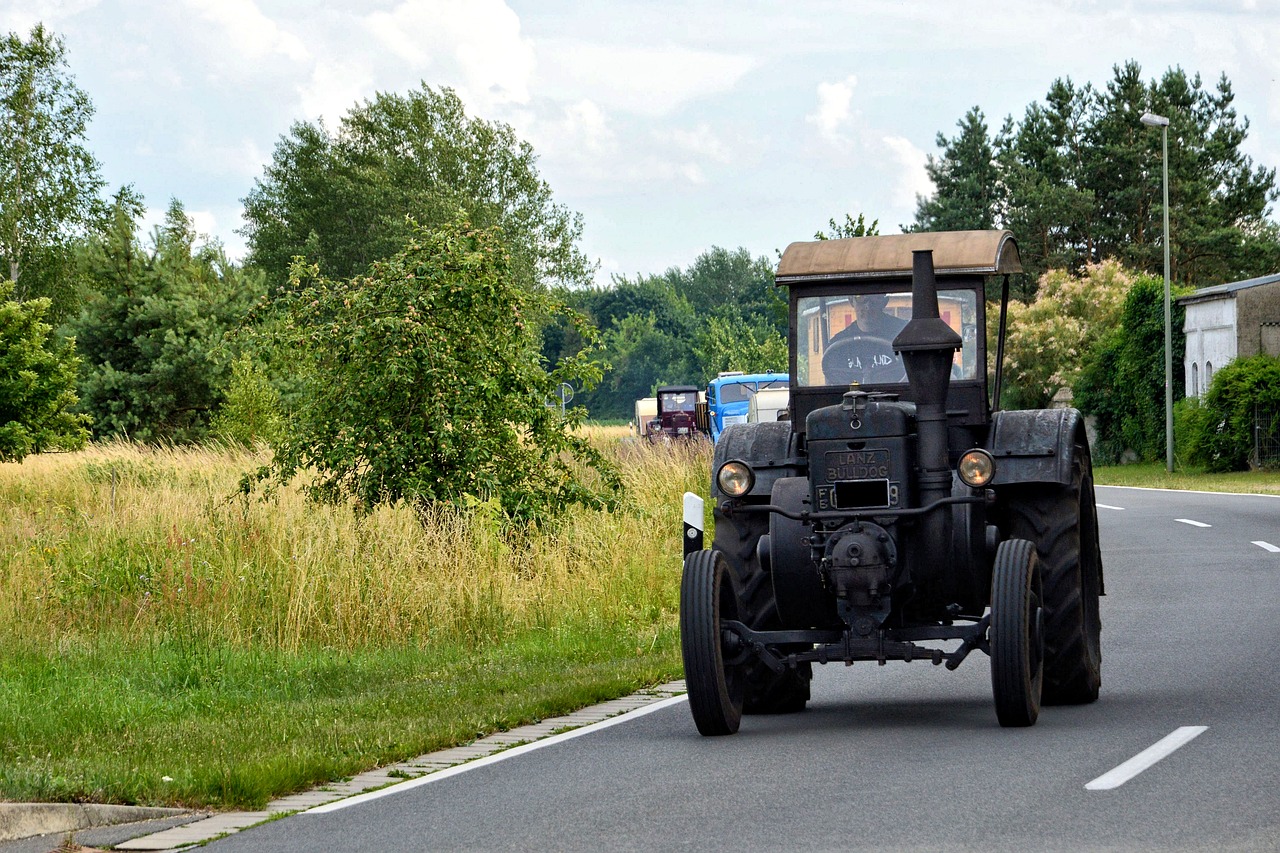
[
  {"x": 729, "y": 397},
  {"x": 897, "y": 511}
]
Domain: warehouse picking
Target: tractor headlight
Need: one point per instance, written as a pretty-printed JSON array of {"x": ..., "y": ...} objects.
[
  {"x": 976, "y": 468},
  {"x": 735, "y": 478}
]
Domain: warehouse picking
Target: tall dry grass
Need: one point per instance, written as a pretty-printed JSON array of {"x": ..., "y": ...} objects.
[{"x": 122, "y": 539}]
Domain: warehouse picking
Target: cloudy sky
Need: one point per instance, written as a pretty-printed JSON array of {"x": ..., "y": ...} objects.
[{"x": 671, "y": 126}]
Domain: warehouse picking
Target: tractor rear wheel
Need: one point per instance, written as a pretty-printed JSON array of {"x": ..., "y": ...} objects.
[
  {"x": 767, "y": 692},
  {"x": 1017, "y": 650},
  {"x": 1062, "y": 521},
  {"x": 707, "y": 598}
]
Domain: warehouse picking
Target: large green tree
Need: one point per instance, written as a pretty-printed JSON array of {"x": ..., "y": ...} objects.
[
  {"x": 343, "y": 198},
  {"x": 37, "y": 382},
  {"x": 1079, "y": 180},
  {"x": 1045, "y": 198},
  {"x": 424, "y": 385},
  {"x": 965, "y": 178},
  {"x": 155, "y": 366},
  {"x": 49, "y": 182}
]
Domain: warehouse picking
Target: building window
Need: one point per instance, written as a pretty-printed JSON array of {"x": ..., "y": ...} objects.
[
  {"x": 1208, "y": 374},
  {"x": 1195, "y": 379}
]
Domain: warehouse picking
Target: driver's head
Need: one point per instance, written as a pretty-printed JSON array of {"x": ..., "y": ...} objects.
[{"x": 870, "y": 303}]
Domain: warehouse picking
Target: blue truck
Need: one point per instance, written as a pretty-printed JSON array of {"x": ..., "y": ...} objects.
[{"x": 729, "y": 397}]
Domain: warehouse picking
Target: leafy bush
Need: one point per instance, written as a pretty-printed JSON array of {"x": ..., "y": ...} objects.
[
  {"x": 1222, "y": 438},
  {"x": 1050, "y": 338},
  {"x": 1122, "y": 384},
  {"x": 251, "y": 411},
  {"x": 424, "y": 384},
  {"x": 1190, "y": 426},
  {"x": 37, "y": 382}
]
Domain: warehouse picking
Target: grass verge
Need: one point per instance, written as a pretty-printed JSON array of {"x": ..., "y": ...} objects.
[
  {"x": 164, "y": 644},
  {"x": 120, "y": 720},
  {"x": 1152, "y": 475}
]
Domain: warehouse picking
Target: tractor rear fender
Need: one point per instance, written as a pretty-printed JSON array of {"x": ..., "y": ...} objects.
[
  {"x": 1035, "y": 445},
  {"x": 768, "y": 447}
]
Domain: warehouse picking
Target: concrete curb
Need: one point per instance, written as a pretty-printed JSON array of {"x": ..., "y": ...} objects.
[{"x": 23, "y": 820}]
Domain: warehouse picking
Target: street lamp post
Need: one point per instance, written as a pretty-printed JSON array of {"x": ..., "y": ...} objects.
[{"x": 1153, "y": 120}]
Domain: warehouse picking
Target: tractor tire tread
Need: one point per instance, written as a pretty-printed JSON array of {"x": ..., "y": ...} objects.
[
  {"x": 1050, "y": 516},
  {"x": 767, "y": 692}
]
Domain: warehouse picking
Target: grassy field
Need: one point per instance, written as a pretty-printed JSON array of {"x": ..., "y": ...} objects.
[{"x": 164, "y": 643}]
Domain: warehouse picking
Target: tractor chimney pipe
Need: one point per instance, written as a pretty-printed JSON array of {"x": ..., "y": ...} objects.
[{"x": 928, "y": 347}]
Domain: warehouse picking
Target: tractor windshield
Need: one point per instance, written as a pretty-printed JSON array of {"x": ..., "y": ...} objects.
[{"x": 847, "y": 338}]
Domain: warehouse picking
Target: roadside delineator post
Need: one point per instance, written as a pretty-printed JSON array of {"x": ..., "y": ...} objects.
[{"x": 692, "y": 523}]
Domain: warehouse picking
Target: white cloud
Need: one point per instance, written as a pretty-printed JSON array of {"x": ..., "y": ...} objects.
[
  {"x": 21, "y": 17},
  {"x": 478, "y": 41},
  {"x": 834, "y": 112},
  {"x": 702, "y": 141},
  {"x": 912, "y": 179},
  {"x": 334, "y": 88},
  {"x": 249, "y": 31},
  {"x": 649, "y": 81},
  {"x": 241, "y": 159},
  {"x": 586, "y": 129},
  {"x": 204, "y": 223}
]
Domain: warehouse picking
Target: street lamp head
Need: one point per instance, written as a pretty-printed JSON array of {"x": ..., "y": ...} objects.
[{"x": 1153, "y": 120}]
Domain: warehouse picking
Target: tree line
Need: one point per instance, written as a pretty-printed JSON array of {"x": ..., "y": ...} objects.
[
  {"x": 160, "y": 337},
  {"x": 1078, "y": 178}
]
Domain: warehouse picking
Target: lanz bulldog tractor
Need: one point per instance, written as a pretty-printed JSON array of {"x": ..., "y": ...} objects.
[{"x": 896, "y": 512}]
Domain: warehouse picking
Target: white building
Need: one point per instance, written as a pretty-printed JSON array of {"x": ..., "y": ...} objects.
[{"x": 1229, "y": 321}]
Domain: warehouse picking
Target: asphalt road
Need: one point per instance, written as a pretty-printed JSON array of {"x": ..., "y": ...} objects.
[{"x": 909, "y": 756}]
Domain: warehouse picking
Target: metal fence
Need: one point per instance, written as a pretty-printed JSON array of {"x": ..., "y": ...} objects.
[{"x": 1266, "y": 436}]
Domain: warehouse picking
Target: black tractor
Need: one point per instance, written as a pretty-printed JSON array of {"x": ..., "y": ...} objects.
[{"x": 897, "y": 515}]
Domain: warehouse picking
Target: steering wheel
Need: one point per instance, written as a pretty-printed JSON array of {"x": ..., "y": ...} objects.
[{"x": 864, "y": 359}]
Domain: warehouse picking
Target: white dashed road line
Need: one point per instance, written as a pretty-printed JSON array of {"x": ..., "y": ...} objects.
[
  {"x": 1193, "y": 523},
  {"x": 1109, "y": 506},
  {"x": 1267, "y": 546},
  {"x": 1143, "y": 760}
]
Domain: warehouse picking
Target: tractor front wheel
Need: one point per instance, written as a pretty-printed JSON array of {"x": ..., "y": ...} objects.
[
  {"x": 1017, "y": 647},
  {"x": 707, "y": 598}
]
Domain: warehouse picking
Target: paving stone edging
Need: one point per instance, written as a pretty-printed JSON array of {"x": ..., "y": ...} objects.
[{"x": 226, "y": 823}]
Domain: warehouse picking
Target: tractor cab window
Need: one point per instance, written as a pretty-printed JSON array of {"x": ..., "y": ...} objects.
[
  {"x": 737, "y": 392},
  {"x": 683, "y": 402},
  {"x": 847, "y": 338}
]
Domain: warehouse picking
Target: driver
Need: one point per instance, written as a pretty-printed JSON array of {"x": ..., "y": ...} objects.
[
  {"x": 872, "y": 319},
  {"x": 858, "y": 358}
]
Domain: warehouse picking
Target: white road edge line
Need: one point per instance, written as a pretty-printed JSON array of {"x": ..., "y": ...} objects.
[
  {"x": 1109, "y": 506},
  {"x": 495, "y": 758},
  {"x": 1267, "y": 546},
  {"x": 1193, "y": 522},
  {"x": 1143, "y": 760}
]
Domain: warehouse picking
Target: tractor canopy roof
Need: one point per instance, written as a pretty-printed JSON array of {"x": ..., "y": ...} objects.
[{"x": 889, "y": 257}]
